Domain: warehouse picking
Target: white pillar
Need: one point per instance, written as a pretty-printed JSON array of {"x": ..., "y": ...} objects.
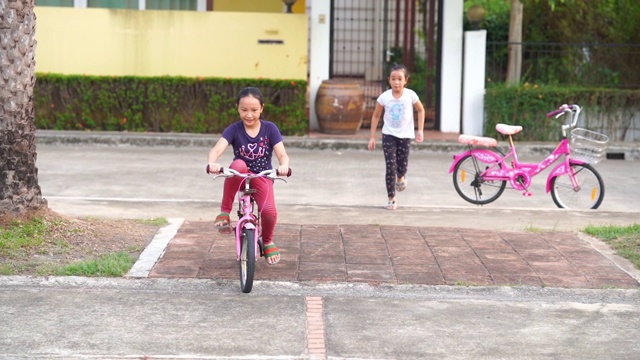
[
  {"x": 451, "y": 58},
  {"x": 320, "y": 21},
  {"x": 475, "y": 44}
]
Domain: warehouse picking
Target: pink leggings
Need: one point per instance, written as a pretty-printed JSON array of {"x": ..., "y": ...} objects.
[{"x": 263, "y": 196}]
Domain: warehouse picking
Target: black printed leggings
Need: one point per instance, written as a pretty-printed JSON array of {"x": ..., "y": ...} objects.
[{"x": 396, "y": 157}]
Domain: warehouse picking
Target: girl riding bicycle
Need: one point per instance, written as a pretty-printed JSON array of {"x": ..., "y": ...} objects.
[{"x": 254, "y": 140}]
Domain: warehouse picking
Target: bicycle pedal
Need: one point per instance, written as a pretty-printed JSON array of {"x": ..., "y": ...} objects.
[{"x": 527, "y": 194}]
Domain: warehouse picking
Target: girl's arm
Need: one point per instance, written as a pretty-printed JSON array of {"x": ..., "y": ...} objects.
[
  {"x": 283, "y": 158},
  {"x": 421, "y": 115},
  {"x": 374, "y": 125},
  {"x": 215, "y": 153}
]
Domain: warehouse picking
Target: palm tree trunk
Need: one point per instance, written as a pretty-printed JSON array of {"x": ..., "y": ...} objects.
[
  {"x": 514, "y": 70},
  {"x": 19, "y": 189}
]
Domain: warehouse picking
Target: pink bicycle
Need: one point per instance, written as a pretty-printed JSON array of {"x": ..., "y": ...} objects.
[
  {"x": 480, "y": 174},
  {"x": 249, "y": 246}
]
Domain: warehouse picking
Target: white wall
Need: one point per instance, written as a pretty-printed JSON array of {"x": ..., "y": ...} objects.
[
  {"x": 320, "y": 24},
  {"x": 475, "y": 48},
  {"x": 451, "y": 57}
]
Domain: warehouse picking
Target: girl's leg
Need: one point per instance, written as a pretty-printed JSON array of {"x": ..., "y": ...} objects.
[
  {"x": 265, "y": 199},
  {"x": 389, "y": 147},
  {"x": 402, "y": 157},
  {"x": 231, "y": 186}
]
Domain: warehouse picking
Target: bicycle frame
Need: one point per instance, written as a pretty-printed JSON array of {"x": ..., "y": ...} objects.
[
  {"x": 248, "y": 219},
  {"x": 481, "y": 173},
  {"x": 519, "y": 174},
  {"x": 248, "y": 251}
]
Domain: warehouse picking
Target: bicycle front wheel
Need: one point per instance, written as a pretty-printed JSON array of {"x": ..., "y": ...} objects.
[
  {"x": 471, "y": 186},
  {"x": 587, "y": 194},
  {"x": 247, "y": 260}
]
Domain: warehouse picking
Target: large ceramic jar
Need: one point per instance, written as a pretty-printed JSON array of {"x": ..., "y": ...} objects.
[{"x": 340, "y": 106}]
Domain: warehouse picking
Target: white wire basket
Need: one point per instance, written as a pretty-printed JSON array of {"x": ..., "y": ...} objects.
[{"x": 588, "y": 146}]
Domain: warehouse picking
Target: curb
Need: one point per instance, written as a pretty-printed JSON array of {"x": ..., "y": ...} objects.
[{"x": 623, "y": 151}]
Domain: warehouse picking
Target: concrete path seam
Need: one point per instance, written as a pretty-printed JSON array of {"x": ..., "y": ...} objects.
[{"x": 155, "y": 249}]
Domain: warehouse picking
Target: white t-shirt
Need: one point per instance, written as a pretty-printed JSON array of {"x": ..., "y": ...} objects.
[{"x": 398, "y": 113}]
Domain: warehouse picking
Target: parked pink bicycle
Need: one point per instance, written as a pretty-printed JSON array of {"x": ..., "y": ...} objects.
[
  {"x": 480, "y": 174},
  {"x": 248, "y": 230}
]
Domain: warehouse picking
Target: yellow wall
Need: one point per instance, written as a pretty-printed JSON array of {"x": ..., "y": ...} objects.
[
  {"x": 177, "y": 43},
  {"x": 248, "y": 5},
  {"x": 258, "y": 6}
]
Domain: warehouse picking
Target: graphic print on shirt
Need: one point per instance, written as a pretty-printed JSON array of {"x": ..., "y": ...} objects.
[
  {"x": 254, "y": 151},
  {"x": 395, "y": 112}
]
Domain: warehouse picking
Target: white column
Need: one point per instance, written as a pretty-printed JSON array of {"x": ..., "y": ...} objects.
[
  {"x": 451, "y": 58},
  {"x": 80, "y": 4},
  {"x": 202, "y": 5},
  {"x": 320, "y": 23},
  {"x": 475, "y": 44}
]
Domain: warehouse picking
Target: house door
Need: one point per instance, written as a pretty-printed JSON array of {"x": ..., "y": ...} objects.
[{"x": 367, "y": 37}]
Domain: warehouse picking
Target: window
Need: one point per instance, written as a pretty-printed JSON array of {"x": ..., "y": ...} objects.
[
  {"x": 172, "y": 4},
  {"x": 68, "y": 3},
  {"x": 113, "y": 4}
]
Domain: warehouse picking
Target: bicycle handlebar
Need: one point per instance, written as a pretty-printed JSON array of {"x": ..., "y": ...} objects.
[
  {"x": 270, "y": 173},
  {"x": 573, "y": 110},
  {"x": 559, "y": 111}
]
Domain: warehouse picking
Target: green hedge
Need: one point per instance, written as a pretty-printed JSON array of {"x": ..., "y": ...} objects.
[
  {"x": 161, "y": 104},
  {"x": 607, "y": 110}
]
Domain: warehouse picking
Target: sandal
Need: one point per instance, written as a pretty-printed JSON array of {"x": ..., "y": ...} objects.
[
  {"x": 400, "y": 186},
  {"x": 270, "y": 251},
  {"x": 223, "y": 223},
  {"x": 391, "y": 205}
]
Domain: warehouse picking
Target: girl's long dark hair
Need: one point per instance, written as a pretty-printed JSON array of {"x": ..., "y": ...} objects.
[{"x": 250, "y": 91}]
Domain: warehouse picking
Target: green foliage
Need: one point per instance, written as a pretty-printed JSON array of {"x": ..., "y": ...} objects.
[
  {"x": 592, "y": 32},
  {"x": 109, "y": 265},
  {"x": 155, "y": 221},
  {"x": 21, "y": 237},
  {"x": 604, "y": 110},
  {"x": 161, "y": 104},
  {"x": 603, "y": 21},
  {"x": 624, "y": 239},
  {"x": 496, "y": 21}
]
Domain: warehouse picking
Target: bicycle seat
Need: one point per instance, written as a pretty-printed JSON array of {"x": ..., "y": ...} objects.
[
  {"x": 505, "y": 129},
  {"x": 477, "y": 140}
]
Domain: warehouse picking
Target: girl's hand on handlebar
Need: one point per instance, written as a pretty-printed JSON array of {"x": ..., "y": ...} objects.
[
  {"x": 213, "y": 168},
  {"x": 283, "y": 170}
]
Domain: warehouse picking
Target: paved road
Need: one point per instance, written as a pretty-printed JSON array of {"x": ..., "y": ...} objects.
[
  {"x": 60, "y": 318},
  {"x": 327, "y": 186}
]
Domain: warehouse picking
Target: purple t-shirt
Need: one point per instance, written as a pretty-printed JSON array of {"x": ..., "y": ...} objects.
[{"x": 255, "y": 151}]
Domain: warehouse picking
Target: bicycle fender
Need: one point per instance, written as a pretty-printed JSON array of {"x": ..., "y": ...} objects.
[
  {"x": 243, "y": 225},
  {"x": 486, "y": 156},
  {"x": 560, "y": 169}
]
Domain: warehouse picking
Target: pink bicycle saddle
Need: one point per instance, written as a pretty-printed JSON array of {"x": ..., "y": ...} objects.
[
  {"x": 477, "y": 140},
  {"x": 508, "y": 129}
]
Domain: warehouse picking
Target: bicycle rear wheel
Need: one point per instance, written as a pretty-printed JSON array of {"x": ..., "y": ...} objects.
[
  {"x": 588, "y": 194},
  {"x": 471, "y": 186},
  {"x": 247, "y": 260}
]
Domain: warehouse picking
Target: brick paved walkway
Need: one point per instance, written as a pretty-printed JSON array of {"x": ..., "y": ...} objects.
[{"x": 399, "y": 255}]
